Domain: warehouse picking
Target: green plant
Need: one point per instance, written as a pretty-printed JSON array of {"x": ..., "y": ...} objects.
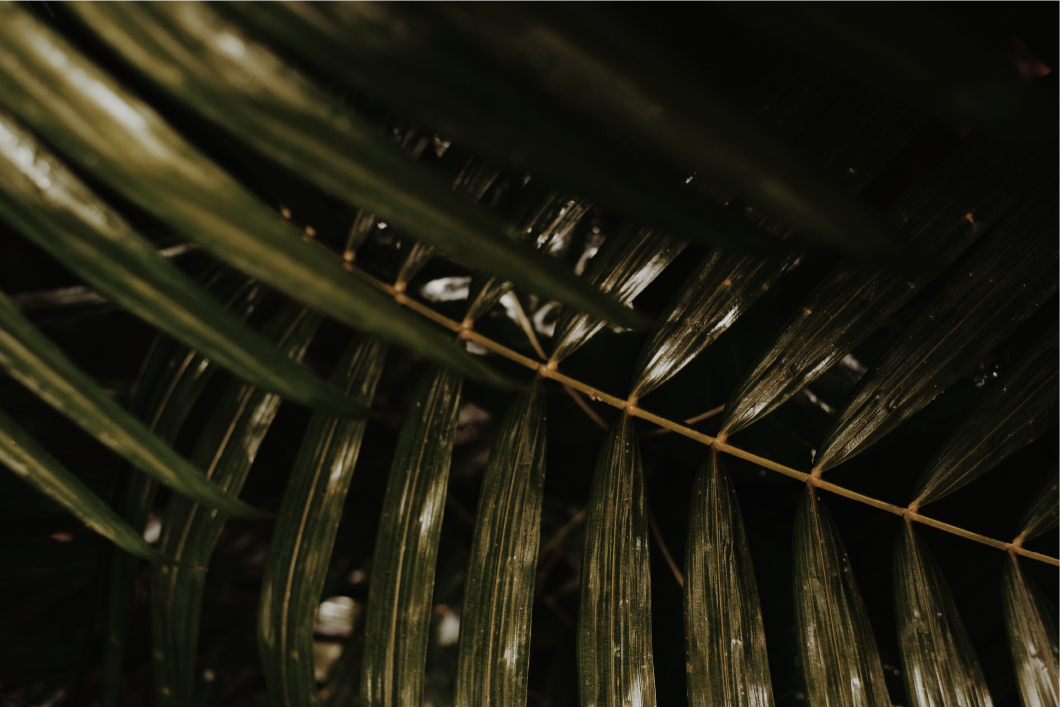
[{"x": 127, "y": 128}]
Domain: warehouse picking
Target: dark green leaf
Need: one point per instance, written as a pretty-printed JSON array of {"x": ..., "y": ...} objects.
[
  {"x": 305, "y": 532},
  {"x": 938, "y": 660},
  {"x": 1042, "y": 513},
  {"x": 615, "y": 663},
  {"x": 37, "y": 363},
  {"x": 1030, "y": 621},
  {"x": 1019, "y": 406},
  {"x": 499, "y": 590},
  {"x": 587, "y": 59},
  {"x": 837, "y": 650},
  {"x": 624, "y": 266},
  {"x": 911, "y": 50},
  {"x": 941, "y": 214},
  {"x": 214, "y": 67},
  {"x": 98, "y": 125},
  {"x": 548, "y": 225},
  {"x": 21, "y": 454},
  {"x": 227, "y": 449},
  {"x": 402, "y": 582},
  {"x": 724, "y": 640},
  {"x": 50, "y": 206},
  {"x": 411, "y": 59},
  {"x": 1009, "y": 275}
]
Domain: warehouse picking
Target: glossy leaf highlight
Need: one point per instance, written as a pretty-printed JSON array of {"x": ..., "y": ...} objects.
[{"x": 1031, "y": 625}]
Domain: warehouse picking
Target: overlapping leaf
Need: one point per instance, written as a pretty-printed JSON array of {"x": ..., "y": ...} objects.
[
  {"x": 305, "y": 532},
  {"x": 615, "y": 662},
  {"x": 214, "y": 67},
  {"x": 24, "y": 456},
  {"x": 945, "y": 211},
  {"x": 49, "y": 205},
  {"x": 624, "y": 266},
  {"x": 1009, "y": 275},
  {"x": 102, "y": 128},
  {"x": 840, "y": 662},
  {"x": 227, "y": 449},
  {"x": 1030, "y": 621},
  {"x": 402, "y": 581},
  {"x": 499, "y": 590},
  {"x": 1042, "y": 515},
  {"x": 30, "y": 358},
  {"x": 1021, "y": 405},
  {"x": 725, "y": 643},
  {"x": 938, "y": 661},
  {"x": 413, "y": 60}
]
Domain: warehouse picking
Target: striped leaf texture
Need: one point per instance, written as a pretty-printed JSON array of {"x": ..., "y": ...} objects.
[
  {"x": 305, "y": 531},
  {"x": 1010, "y": 416},
  {"x": 1031, "y": 624},
  {"x": 1042, "y": 513},
  {"x": 402, "y": 581},
  {"x": 837, "y": 650},
  {"x": 940, "y": 666},
  {"x": 1009, "y": 275},
  {"x": 499, "y": 590},
  {"x": 724, "y": 639},
  {"x": 615, "y": 664},
  {"x": 227, "y": 449}
]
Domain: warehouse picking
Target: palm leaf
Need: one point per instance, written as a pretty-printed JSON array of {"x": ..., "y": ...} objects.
[{"x": 1030, "y": 620}]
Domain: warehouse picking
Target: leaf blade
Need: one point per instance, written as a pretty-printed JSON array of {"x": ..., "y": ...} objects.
[
  {"x": 1042, "y": 514},
  {"x": 1030, "y": 622},
  {"x": 615, "y": 661}
]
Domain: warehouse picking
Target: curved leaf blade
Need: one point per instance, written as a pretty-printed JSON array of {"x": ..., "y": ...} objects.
[
  {"x": 49, "y": 205},
  {"x": 725, "y": 643},
  {"x": 940, "y": 666},
  {"x": 102, "y": 128},
  {"x": 1042, "y": 515},
  {"x": 624, "y": 266},
  {"x": 30, "y": 358},
  {"x": 609, "y": 72},
  {"x": 402, "y": 581},
  {"x": 1020, "y": 406},
  {"x": 305, "y": 532},
  {"x": 499, "y": 591},
  {"x": 837, "y": 650},
  {"x": 942, "y": 214},
  {"x": 615, "y": 662},
  {"x": 25, "y": 457},
  {"x": 1009, "y": 275},
  {"x": 227, "y": 449},
  {"x": 1030, "y": 621},
  {"x": 215, "y": 68}
]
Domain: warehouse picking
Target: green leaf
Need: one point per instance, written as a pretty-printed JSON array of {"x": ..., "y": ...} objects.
[
  {"x": 548, "y": 224},
  {"x": 585, "y": 58},
  {"x": 1019, "y": 406},
  {"x": 55, "y": 210},
  {"x": 624, "y": 266},
  {"x": 227, "y": 449},
  {"x": 725, "y": 643},
  {"x": 1030, "y": 621},
  {"x": 30, "y": 358},
  {"x": 108, "y": 132},
  {"x": 1009, "y": 275},
  {"x": 938, "y": 661},
  {"x": 911, "y": 50},
  {"x": 212, "y": 66},
  {"x": 21, "y": 454},
  {"x": 305, "y": 532},
  {"x": 941, "y": 214},
  {"x": 499, "y": 590},
  {"x": 402, "y": 581},
  {"x": 615, "y": 663},
  {"x": 173, "y": 378},
  {"x": 1042, "y": 513},
  {"x": 410, "y": 58},
  {"x": 837, "y": 650}
]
